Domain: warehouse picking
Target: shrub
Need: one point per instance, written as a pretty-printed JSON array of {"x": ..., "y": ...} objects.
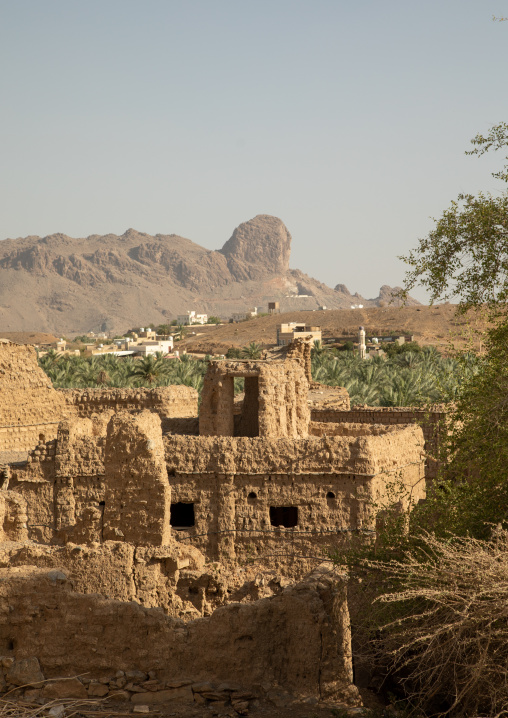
[{"x": 447, "y": 637}]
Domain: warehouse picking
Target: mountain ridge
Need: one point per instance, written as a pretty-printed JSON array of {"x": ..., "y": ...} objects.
[{"x": 63, "y": 284}]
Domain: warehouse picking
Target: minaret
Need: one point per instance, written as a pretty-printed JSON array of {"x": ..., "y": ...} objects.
[{"x": 361, "y": 343}]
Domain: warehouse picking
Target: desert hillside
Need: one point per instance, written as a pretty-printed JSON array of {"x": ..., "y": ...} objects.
[
  {"x": 437, "y": 325},
  {"x": 64, "y": 285}
]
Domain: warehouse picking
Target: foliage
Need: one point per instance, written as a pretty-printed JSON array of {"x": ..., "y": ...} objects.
[
  {"x": 472, "y": 493},
  {"x": 392, "y": 348},
  {"x": 252, "y": 351},
  {"x": 233, "y": 353},
  {"x": 214, "y": 320},
  {"x": 407, "y": 378},
  {"x": 466, "y": 255},
  {"x": 108, "y": 370},
  {"x": 445, "y": 588}
]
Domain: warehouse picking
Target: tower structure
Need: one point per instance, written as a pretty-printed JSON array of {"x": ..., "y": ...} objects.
[{"x": 362, "y": 348}]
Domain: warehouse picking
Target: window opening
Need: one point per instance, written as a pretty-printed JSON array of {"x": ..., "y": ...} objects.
[
  {"x": 330, "y": 495},
  {"x": 286, "y": 516},
  {"x": 182, "y": 515},
  {"x": 248, "y": 424}
]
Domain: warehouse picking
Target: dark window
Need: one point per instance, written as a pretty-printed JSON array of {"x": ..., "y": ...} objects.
[
  {"x": 182, "y": 515},
  {"x": 252, "y": 495},
  {"x": 330, "y": 495},
  {"x": 286, "y": 516},
  {"x": 102, "y": 503}
]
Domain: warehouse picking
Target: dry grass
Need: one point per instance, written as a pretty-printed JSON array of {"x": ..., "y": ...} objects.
[
  {"x": 18, "y": 708},
  {"x": 448, "y": 637}
]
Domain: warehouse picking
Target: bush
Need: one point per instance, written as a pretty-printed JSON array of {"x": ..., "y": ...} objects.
[{"x": 447, "y": 636}]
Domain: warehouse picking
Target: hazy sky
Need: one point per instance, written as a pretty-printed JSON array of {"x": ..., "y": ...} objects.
[{"x": 348, "y": 119}]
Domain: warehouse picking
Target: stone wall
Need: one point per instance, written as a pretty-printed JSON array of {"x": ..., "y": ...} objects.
[
  {"x": 30, "y": 409},
  {"x": 297, "y": 642},
  {"x": 433, "y": 421},
  {"x": 168, "y": 401}
]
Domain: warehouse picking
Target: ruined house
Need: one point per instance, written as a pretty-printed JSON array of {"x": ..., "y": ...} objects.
[{"x": 116, "y": 504}]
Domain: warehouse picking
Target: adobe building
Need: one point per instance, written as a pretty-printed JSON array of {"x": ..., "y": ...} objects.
[{"x": 131, "y": 510}]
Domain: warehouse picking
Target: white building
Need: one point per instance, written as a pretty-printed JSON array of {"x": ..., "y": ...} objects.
[
  {"x": 192, "y": 318},
  {"x": 241, "y": 316},
  {"x": 145, "y": 347}
]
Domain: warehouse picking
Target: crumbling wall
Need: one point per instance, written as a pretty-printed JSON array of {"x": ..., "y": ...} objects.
[
  {"x": 13, "y": 517},
  {"x": 275, "y": 402},
  {"x": 117, "y": 570},
  {"x": 298, "y": 641},
  {"x": 137, "y": 494},
  {"x": 168, "y": 401},
  {"x": 322, "y": 490},
  {"x": 432, "y": 419},
  {"x": 301, "y": 350},
  {"x": 92, "y": 486},
  {"x": 30, "y": 409}
]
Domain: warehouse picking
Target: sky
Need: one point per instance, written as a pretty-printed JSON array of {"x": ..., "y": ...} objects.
[{"x": 346, "y": 119}]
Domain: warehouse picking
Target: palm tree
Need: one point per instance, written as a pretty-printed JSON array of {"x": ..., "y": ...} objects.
[
  {"x": 252, "y": 351},
  {"x": 150, "y": 369}
]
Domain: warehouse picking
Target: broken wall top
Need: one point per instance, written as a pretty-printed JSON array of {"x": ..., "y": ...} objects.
[
  {"x": 275, "y": 403},
  {"x": 27, "y": 395},
  {"x": 383, "y": 451}
]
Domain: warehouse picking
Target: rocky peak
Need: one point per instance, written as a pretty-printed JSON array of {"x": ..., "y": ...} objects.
[{"x": 258, "y": 247}]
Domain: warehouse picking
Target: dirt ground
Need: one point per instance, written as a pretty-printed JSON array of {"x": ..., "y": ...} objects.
[
  {"x": 29, "y": 337},
  {"x": 438, "y": 325},
  {"x": 256, "y": 709}
]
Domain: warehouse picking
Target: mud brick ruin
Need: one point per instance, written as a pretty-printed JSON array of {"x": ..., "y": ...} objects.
[{"x": 165, "y": 556}]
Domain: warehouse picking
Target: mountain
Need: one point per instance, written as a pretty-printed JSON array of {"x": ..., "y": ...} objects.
[{"x": 66, "y": 285}]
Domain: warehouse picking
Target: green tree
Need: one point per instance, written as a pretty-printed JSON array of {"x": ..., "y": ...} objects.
[
  {"x": 252, "y": 351},
  {"x": 150, "y": 369},
  {"x": 466, "y": 256}
]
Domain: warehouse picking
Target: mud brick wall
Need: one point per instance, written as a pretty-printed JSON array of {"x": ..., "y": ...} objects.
[
  {"x": 30, "y": 408},
  {"x": 297, "y": 641},
  {"x": 101, "y": 480},
  {"x": 332, "y": 483},
  {"x": 13, "y": 517},
  {"x": 118, "y": 570},
  {"x": 433, "y": 421},
  {"x": 169, "y": 401},
  {"x": 275, "y": 402},
  {"x": 137, "y": 498}
]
